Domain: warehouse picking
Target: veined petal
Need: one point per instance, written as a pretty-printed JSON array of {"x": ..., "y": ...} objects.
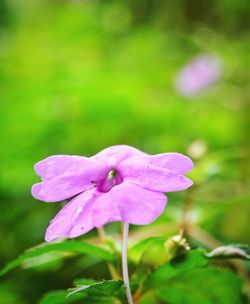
[
  {"x": 146, "y": 173},
  {"x": 175, "y": 162},
  {"x": 112, "y": 156},
  {"x": 129, "y": 203},
  {"x": 74, "y": 180},
  {"x": 58, "y": 164},
  {"x": 73, "y": 219}
]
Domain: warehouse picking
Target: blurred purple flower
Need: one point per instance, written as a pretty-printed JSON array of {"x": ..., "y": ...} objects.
[
  {"x": 119, "y": 183},
  {"x": 199, "y": 74}
]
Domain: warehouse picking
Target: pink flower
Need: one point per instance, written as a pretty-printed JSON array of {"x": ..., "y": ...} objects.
[
  {"x": 119, "y": 183},
  {"x": 198, "y": 75}
]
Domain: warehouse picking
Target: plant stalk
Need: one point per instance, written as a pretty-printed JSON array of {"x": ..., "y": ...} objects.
[{"x": 125, "y": 263}]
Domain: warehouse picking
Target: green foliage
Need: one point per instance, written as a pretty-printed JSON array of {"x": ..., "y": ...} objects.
[
  {"x": 206, "y": 286},
  {"x": 57, "y": 297},
  {"x": 100, "y": 292},
  {"x": 60, "y": 297},
  {"x": 188, "y": 279},
  {"x": 69, "y": 246},
  {"x": 155, "y": 251},
  {"x": 147, "y": 248},
  {"x": 100, "y": 289},
  {"x": 192, "y": 260}
]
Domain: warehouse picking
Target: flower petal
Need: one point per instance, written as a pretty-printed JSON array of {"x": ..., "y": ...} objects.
[
  {"x": 175, "y": 162},
  {"x": 74, "y": 180},
  {"x": 147, "y": 173},
  {"x": 112, "y": 156},
  {"x": 73, "y": 219},
  {"x": 129, "y": 203},
  {"x": 58, "y": 164}
]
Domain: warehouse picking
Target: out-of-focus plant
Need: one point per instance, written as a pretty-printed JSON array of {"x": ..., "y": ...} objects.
[{"x": 198, "y": 75}]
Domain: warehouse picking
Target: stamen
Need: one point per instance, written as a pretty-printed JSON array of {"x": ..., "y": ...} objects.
[{"x": 112, "y": 174}]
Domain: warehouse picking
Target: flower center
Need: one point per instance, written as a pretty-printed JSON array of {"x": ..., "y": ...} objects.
[{"x": 113, "y": 179}]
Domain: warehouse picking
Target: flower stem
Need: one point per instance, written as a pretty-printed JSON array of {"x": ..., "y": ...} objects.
[{"x": 125, "y": 263}]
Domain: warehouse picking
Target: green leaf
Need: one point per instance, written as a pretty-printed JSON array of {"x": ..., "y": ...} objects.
[
  {"x": 230, "y": 251},
  {"x": 68, "y": 246},
  {"x": 55, "y": 297},
  {"x": 60, "y": 297},
  {"x": 155, "y": 251},
  {"x": 177, "y": 266},
  {"x": 95, "y": 292},
  {"x": 121, "y": 293},
  {"x": 145, "y": 247},
  {"x": 186, "y": 279},
  {"x": 204, "y": 285},
  {"x": 99, "y": 289},
  {"x": 78, "y": 282}
]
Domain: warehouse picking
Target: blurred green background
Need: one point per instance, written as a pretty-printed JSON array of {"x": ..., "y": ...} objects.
[{"x": 78, "y": 76}]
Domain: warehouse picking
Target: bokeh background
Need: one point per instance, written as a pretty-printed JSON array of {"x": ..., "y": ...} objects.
[{"x": 78, "y": 76}]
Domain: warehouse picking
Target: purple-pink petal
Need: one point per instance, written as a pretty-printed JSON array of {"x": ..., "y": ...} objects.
[
  {"x": 74, "y": 180},
  {"x": 112, "y": 156},
  {"x": 120, "y": 183},
  {"x": 152, "y": 177},
  {"x": 75, "y": 218},
  {"x": 58, "y": 164},
  {"x": 174, "y": 162},
  {"x": 129, "y": 203}
]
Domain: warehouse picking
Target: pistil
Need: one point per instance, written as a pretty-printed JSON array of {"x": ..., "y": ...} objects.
[{"x": 112, "y": 179}]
